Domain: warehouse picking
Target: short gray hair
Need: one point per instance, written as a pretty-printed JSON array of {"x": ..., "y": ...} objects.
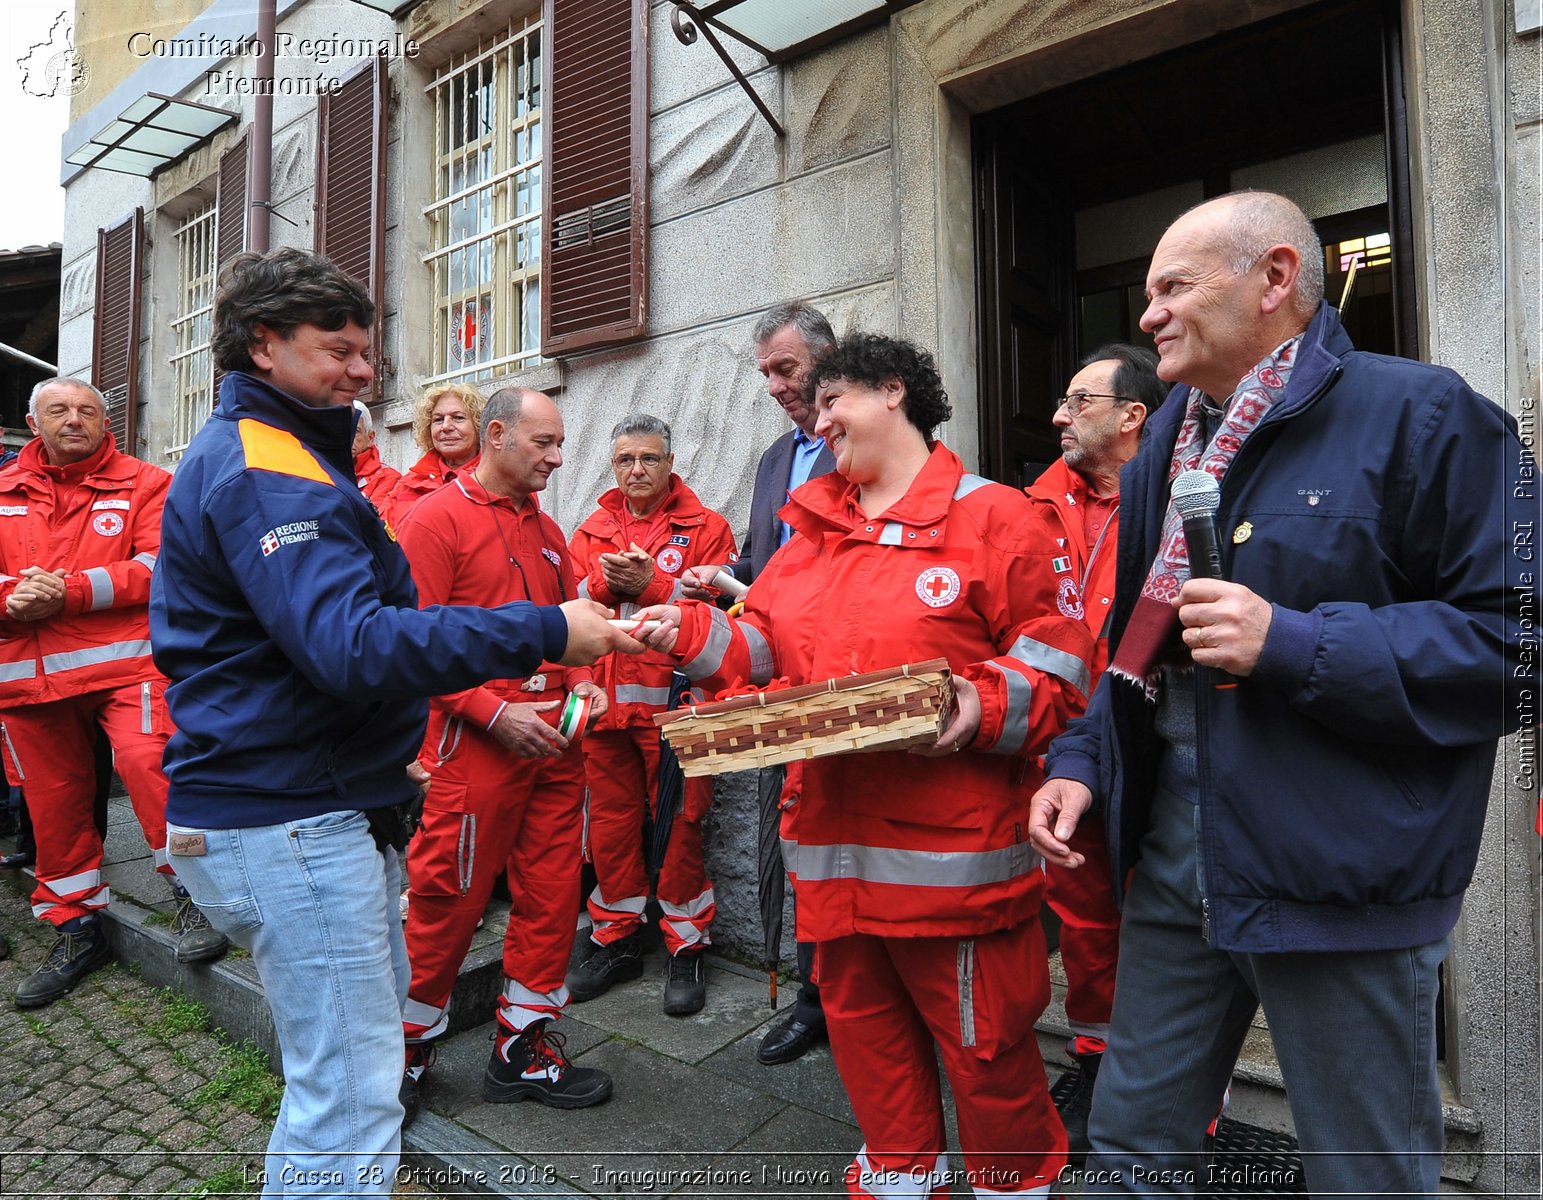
[
  {"x": 507, "y": 406},
  {"x": 32, "y": 404},
  {"x": 642, "y": 425},
  {"x": 1255, "y": 221},
  {"x": 808, "y": 320},
  {"x": 366, "y": 422}
]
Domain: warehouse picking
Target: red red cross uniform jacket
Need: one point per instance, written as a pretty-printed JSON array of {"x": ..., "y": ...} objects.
[
  {"x": 376, "y": 480},
  {"x": 622, "y": 754},
  {"x": 893, "y": 843},
  {"x": 489, "y": 810},
  {"x": 423, "y": 478},
  {"x": 98, "y": 521},
  {"x": 1084, "y": 898}
]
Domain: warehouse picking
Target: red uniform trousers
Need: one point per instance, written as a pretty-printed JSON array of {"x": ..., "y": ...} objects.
[
  {"x": 1090, "y": 935},
  {"x": 48, "y": 755},
  {"x": 887, "y": 1000},
  {"x": 623, "y": 771},
  {"x": 487, "y": 811}
]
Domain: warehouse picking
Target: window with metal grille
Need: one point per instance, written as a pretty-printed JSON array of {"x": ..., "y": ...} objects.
[
  {"x": 191, "y": 363},
  {"x": 486, "y": 214}
]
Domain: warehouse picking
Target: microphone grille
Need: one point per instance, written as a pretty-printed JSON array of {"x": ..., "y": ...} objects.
[{"x": 1196, "y": 493}]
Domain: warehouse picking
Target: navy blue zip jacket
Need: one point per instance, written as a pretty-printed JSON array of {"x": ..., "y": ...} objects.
[
  {"x": 285, "y": 616},
  {"x": 1343, "y": 783}
]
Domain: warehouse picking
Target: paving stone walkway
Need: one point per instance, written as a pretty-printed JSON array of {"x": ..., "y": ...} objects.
[{"x": 120, "y": 1089}]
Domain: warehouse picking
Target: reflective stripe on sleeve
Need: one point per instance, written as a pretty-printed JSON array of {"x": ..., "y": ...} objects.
[
  {"x": 1050, "y": 660},
  {"x": 710, "y": 659},
  {"x": 101, "y": 588},
  {"x": 1015, "y": 712},
  {"x": 147, "y": 558},
  {"x": 762, "y": 664},
  {"x": 910, "y": 868}
]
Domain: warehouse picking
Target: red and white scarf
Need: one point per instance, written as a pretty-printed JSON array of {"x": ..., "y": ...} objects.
[{"x": 1154, "y": 621}]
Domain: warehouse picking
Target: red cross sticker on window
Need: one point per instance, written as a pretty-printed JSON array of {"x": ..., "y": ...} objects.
[{"x": 938, "y": 586}]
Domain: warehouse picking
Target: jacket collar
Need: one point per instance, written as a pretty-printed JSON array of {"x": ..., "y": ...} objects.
[
  {"x": 328, "y": 432},
  {"x": 106, "y": 463},
  {"x": 367, "y": 461},
  {"x": 680, "y": 503},
  {"x": 1055, "y": 482},
  {"x": 830, "y": 502}
]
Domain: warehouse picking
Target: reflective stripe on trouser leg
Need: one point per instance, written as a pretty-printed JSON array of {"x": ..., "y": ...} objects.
[
  {"x": 519, "y": 1006},
  {"x": 622, "y": 771},
  {"x": 888, "y": 1180},
  {"x": 122, "y": 714},
  {"x": 685, "y": 926}
]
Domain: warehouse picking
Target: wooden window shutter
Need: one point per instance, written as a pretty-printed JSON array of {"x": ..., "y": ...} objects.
[
  {"x": 594, "y": 227},
  {"x": 115, "y": 339},
  {"x": 231, "y": 201},
  {"x": 351, "y": 188}
]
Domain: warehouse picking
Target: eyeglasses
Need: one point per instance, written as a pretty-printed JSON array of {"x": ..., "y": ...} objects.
[
  {"x": 1077, "y": 401},
  {"x": 626, "y": 462}
]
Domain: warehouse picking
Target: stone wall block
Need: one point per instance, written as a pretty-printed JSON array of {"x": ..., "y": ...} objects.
[
  {"x": 713, "y": 149},
  {"x": 678, "y": 72},
  {"x": 839, "y": 102},
  {"x": 823, "y": 233}
]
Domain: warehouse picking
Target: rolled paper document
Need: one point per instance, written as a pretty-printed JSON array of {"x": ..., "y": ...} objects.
[
  {"x": 575, "y": 715},
  {"x": 632, "y": 627},
  {"x": 729, "y": 586}
]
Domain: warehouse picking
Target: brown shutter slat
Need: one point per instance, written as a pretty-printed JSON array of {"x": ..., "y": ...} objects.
[
  {"x": 351, "y": 188},
  {"x": 594, "y": 231},
  {"x": 115, "y": 338},
  {"x": 231, "y": 201}
]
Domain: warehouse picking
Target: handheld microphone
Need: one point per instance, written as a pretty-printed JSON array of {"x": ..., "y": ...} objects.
[{"x": 1197, "y": 496}]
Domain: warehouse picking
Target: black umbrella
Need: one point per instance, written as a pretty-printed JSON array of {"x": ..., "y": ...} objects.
[
  {"x": 771, "y": 879},
  {"x": 672, "y": 783}
]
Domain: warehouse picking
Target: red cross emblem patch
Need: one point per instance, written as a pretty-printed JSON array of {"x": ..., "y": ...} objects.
[
  {"x": 669, "y": 560},
  {"x": 938, "y": 586},
  {"x": 108, "y": 524}
]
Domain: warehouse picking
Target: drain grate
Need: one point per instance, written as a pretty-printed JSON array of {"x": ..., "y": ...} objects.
[{"x": 1245, "y": 1160}]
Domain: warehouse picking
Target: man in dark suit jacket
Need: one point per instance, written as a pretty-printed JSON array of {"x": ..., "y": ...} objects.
[{"x": 788, "y": 339}]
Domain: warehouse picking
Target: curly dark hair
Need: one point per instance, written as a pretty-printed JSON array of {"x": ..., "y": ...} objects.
[
  {"x": 873, "y": 360},
  {"x": 281, "y": 289}
]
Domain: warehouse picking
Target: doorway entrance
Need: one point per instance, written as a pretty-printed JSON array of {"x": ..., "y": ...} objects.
[{"x": 1076, "y": 185}]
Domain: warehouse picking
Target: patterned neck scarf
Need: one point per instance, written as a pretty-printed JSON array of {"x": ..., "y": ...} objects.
[{"x": 1154, "y": 620}]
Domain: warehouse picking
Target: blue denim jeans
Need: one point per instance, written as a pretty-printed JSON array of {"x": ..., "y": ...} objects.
[
  {"x": 1354, "y": 1034},
  {"x": 316, "y": 904}
]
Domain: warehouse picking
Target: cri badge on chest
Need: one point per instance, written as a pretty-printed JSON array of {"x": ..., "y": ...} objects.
[{"x": 938, "y": 586}]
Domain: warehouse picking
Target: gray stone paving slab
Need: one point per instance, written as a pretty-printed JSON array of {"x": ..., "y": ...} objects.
[
  {"x": 736, "y": 1003},
  {"x": 665, "y": 1116},
  {"x": 796, "y": 1153},
  {"x": 810, "y": 1081}
]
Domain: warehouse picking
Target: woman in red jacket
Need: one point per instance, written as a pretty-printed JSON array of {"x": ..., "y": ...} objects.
[
  {"x": 446, "y": 424},
  {"x": 913, "y": 872}
]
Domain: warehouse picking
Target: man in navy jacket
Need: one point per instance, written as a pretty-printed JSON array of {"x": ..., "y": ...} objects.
[
  {"x": 1295, "y": 761},
  {"x": 286, "y": 618}
]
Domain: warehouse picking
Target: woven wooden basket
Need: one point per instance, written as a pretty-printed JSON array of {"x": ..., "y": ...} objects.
[{"x": 882, "y": 710}]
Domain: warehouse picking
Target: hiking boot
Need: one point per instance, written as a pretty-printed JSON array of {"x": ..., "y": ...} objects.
[
  {"x": 685, "y": 986},
  {"x": 420, "y": 1057},
  {"x": 613, "y": 963},
  {"x": 531, "y": 1065},
  {"x": 82, "y": 948},
  {"x": 197, "y": 940},
  {"x": 1074, "y": 1112}
]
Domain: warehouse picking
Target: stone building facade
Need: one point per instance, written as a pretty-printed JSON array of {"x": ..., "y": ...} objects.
[{"x": 929, "y": 163}]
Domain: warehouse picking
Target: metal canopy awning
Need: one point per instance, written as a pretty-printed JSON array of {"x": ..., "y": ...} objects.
[
  {"x": 784, "y": 29},
  {"x": 392, "y": 8},
  {"x": 150, "y": 134}
]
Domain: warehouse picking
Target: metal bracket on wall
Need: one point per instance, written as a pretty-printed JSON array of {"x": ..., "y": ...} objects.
[{"x": 686, "y": 21}]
